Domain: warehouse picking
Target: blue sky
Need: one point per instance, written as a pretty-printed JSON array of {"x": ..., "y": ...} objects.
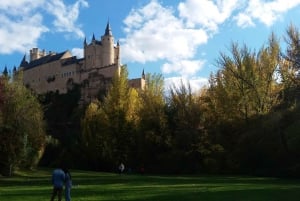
[{"x": 181, "y": 39}]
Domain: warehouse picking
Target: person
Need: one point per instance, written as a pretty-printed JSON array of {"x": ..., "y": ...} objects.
[
  {"x": 58, "y": 178},
  {"x": 121, "y": 168},
  {"x": 142, "y": 170},
  {"x": 68, "y": 184}
]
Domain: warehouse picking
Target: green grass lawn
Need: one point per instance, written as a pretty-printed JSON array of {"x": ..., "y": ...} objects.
[{"x": 97, "y": 186}]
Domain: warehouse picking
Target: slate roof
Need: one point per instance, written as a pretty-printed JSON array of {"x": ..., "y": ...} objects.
[
  {"x": 43, "y": 60},
  {"x": 71, "y": 60}
]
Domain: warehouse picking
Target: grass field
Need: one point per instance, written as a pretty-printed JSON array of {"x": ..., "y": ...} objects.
[{"x": 97, "y": 186}]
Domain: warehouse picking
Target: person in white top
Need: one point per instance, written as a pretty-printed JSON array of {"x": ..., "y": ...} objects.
[{"x": 121, "y": 168}]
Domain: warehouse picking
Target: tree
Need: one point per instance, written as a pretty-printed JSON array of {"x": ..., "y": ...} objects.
[
  {"x": 245, "y": 85},
  {"x": 191, "y": 143},
  {"x": 62, "y": 114},
  {"x": 110, "y": 126},
  {"x": 290, "y": 69},
  {"x": 242, "y": 93},
  {"x": 288, "y": 123},
  {"x": 22, "y": 129},
  {"x": 293, "y": 47},
  {"x": 95, "y": 137},
  {"x": 153, "y": 136}
]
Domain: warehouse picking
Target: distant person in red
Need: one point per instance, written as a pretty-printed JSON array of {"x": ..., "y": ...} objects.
[
  {"x": 142, "y": 170},
  {"x": 58, "y": 180}
]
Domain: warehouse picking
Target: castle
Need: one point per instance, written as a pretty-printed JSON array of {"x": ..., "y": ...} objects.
[{"x": 57, "y": 72}]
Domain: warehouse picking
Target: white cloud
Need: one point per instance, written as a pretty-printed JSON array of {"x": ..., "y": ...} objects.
[
  {"x": 22, "y": 22},
  {"x": 20, "y": 35},
  {"x": 212, "y": 13},
  {"x": 172, "y": 35},
  {"x": 207, "y": 13},
  {"x": 183, "y": 67},
  {"x": 243, "y": 20},
  {"x": 78, "y": 52},
  {"x": 154, "y": 33},
  {"x": 267, "y": 12},
  {"x": 66, "y": 16},
  {"x": 196, "y": 83},
  {"x": 19, "y": 7}
]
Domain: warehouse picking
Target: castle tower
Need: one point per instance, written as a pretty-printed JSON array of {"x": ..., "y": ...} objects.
[
  {"x": 102, "y": 53},
  {"x": 35, "y": 54},
  {"x": 117, "y": 54},
  {"x": 107, "y": 41}
]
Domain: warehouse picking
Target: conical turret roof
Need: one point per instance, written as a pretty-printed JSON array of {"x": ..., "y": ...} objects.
[{"x": 108, "y": 30}]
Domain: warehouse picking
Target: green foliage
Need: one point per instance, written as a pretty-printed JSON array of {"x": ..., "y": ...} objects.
[
  {"x": 293, "y": 49},
  {"x": 153, "y": 136},
  {"x": 245, "y": 86},
  {"x": 22, "y": 129},
  {"x": 245, "y": 121},
  {"x": 62, "y": 114},
  {"x": 289, "y": 70},
  {"x": 109, "y": 126},
  {"x": 241, "y": 109},
  {"x": 293, "y": 137},
  {"x": 190, "y": 139}
]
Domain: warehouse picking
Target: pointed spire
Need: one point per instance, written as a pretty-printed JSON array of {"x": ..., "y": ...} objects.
[
  {"x": 143, "y": 74},
  {"x": 14, "y": 70},
  {"x": 24, "y": 58},
  {"x": 5, "y": 71},
  {"x": 84, "y": 42},
  {"x": 23, "y": 62},
  {"x": 108, "y": 30},
  {"x": 93, "y": 39}
]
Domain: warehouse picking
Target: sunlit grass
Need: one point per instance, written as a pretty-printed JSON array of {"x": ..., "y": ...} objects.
[{"x": 92, "y": 186}]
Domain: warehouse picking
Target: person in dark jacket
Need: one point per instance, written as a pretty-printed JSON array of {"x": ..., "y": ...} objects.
[{"x": 58, "y": 179}]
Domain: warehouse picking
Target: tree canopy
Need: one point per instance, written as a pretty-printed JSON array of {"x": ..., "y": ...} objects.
[{"x": 22, "y": 128}]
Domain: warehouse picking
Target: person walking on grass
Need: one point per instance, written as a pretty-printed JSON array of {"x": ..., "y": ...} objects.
[
  {"x": 121, "y": 168},
  {"x": 68, "y": 184},
  {"x": 58, "y": 179}
]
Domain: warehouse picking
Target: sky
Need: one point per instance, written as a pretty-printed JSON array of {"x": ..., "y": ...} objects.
[{"x": 180, "y": 39}]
